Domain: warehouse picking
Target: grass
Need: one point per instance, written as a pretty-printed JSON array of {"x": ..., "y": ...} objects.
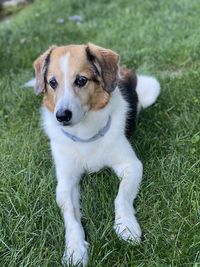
[{"x": 155, "y": 37}]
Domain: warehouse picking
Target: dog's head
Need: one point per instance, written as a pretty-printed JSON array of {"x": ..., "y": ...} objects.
[{"x": 76, "y": 79}]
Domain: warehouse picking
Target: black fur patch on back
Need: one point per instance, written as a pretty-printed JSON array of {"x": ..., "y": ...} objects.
[{"x": 127, "y": 86}]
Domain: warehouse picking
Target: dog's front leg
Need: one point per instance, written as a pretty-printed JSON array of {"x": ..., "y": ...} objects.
[
  {"x": 67, "y": 197},
  {"x": 129, "y": 169}
]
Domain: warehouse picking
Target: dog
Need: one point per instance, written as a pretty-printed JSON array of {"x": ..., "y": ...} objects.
[{"x": 90, "y": 106}]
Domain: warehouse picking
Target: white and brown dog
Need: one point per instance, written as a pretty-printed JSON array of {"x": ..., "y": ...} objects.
[{"x": 89, "y": 111}]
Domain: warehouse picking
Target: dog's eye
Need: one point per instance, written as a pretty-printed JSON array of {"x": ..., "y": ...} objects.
[
  {"x": 80, "y": 81},
  {"x": 53, "y": 83}
]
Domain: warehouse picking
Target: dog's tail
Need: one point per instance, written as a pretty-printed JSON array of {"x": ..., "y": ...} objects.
[
  {"x": 30, "y": 83},
  {"x": 148, "y": 89}
]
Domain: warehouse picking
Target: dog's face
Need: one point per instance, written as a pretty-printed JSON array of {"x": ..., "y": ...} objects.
[{"x": 76, "y": 79}]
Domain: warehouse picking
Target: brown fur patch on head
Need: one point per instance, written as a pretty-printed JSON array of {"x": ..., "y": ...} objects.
[
  {"x": 49, "y": 100},
  {"x": 105, "y": 63},
  {"x": 101, "y": 74},
  {"x": 99, "y": 98}
]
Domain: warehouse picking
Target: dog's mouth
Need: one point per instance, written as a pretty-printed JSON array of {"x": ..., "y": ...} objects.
[
  {"x": 63, "y": 123},
  {"x": 66, "y": 123}
]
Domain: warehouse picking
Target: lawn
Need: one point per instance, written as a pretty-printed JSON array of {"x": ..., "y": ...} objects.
[{"x": 155, "y": 37}]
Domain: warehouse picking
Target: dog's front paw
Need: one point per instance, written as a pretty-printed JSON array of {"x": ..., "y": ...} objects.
[
  {"x": 128, "y": 229},
  {"x": 75, "y": 254}
]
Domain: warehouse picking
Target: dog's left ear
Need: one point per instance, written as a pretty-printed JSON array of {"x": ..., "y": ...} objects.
[
  {"x": 40, "y": 66},
  {"x": 106, "y": 65}
]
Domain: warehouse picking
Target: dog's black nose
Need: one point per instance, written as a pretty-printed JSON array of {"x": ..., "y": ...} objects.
[{"x": 64, "y": 115}]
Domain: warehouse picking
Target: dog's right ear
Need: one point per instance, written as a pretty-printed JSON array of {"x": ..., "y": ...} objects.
[{"x": 41, "y": 66}]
